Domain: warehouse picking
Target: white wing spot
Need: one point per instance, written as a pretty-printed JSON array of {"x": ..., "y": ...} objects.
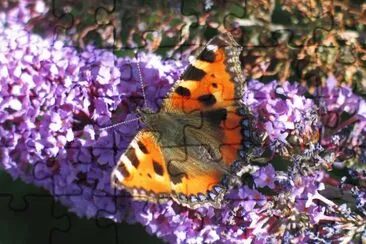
[{"x": 212, "y": 47}]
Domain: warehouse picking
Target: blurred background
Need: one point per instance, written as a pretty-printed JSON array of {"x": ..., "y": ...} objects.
[{"x": 299, "y": 41}]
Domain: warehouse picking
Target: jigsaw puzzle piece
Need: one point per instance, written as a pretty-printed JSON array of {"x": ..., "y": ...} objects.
[
  {"x": 74, "y": 14},
  {"x": 55, "y": 175},
  {"x": 201, "y": 20},
  {"x": 113, "y": 216},
  {"x": 102, "y": 230},
  {"x": 105, "y": 24},
  {"x": 120, "y": 229},
  {"x": 232, "y": 131},
  {"x": 61, "y": 10},
  {"x": 36, "y": 206},
  {"x": 80, "y": 164},
  {"x": 318, "y": 16}
]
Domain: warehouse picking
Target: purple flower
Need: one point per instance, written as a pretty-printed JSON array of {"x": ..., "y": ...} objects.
[
  {"x": 265, "y": 176},
  {"x": 53, "y": 102},
  {"x": 284, "y": 113}
]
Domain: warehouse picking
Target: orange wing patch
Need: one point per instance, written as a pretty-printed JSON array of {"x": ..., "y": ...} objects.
[
  {"x": 197, "y": 184},
  {"x": 208, "y": 81},
  {"x": 142, "y": 168}
]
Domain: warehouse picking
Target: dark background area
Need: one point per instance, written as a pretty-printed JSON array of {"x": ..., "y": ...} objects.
[{"x": 27, "y": 216}]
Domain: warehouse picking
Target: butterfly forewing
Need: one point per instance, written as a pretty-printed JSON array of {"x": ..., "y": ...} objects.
[{"x": 213, "y": 79}]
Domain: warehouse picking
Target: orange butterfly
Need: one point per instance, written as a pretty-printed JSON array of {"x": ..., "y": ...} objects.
[{"x": 195, "y": 148}]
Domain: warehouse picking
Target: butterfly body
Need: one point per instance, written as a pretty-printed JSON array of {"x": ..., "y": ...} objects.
[{"x": 197, "y": 143}]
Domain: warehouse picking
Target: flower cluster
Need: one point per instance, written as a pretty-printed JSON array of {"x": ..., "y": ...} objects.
[{"x": 55, "y": 102}]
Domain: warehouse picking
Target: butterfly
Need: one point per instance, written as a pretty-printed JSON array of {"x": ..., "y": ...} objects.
[{"x": 195, "y": 148}]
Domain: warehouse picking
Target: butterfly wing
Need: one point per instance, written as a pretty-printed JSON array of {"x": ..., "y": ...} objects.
[
  {"x": 213, "y": 85},
  {"x": 209, "y": 93},
  {"x": 142, "y": 170},
  {"x": 213, "y": 82},
  {"x": 213, "y": 79}
]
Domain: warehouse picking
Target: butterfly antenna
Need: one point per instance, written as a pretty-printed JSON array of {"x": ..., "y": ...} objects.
[
  {"x": 140, "y": 80},
  {"x": 118, "y": 124},
  {"x": 143, "y": 94}
]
